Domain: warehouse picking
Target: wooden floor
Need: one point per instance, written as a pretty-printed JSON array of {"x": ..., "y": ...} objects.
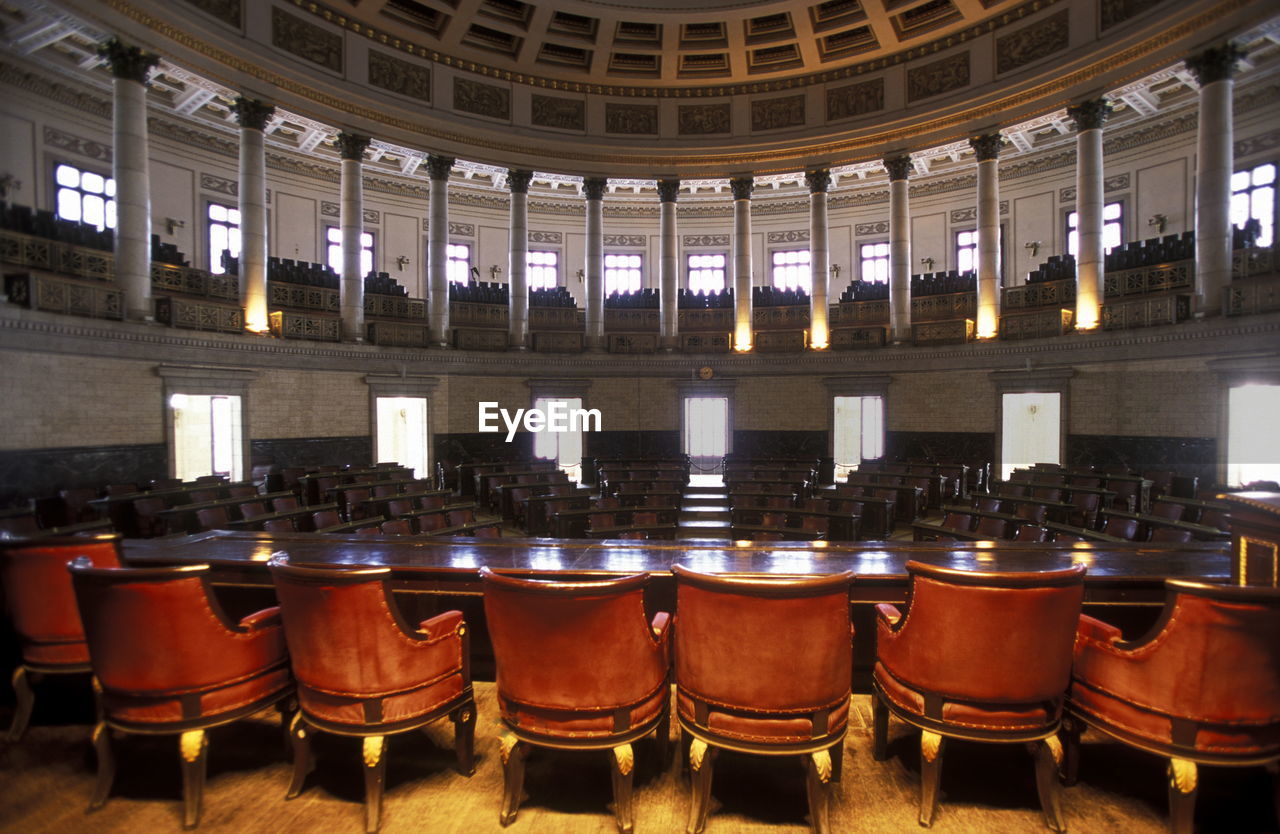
[{"x": 45, "y": 781}]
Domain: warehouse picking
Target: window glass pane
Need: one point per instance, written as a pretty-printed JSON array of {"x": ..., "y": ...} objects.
[
  {"x": 66, "y": 175},
  {"x": 95, "y": 211},
  {"x": 1111, "y": 211},
  {"x": 111, "y": 214},
  {"x": 69, "y": 204},
  {"x": 334, "y": 235},
  {"x": 92, "y": 183},
  {"x": 217, "y": 212}
]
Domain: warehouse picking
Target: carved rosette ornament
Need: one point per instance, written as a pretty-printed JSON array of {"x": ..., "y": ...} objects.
[
  {"x": 352, "y": 145},
  {"x": 593, "y": 188},
  {"x": 128, "y": 62},
  {"x": 668, "y": 190},
  {"x": 439, "y": 167},
  {"x": 818, "y": 180},
  {"x": 1217, "y": 63},
  {"x": 252, "y": 113},
  {"x": 742, "y": 187},
  {"x": 1091, "y": 114},
  {"x": 518, "y": 181},
  {"x": 986, "y": 146},
  {"x": 899, "y": 167}
]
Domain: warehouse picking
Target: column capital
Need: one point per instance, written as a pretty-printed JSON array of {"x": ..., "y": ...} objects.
[
  {"x": 742, "y": 187},
  {"x": 1091, "y": 114},
  {"x": 818, "y": 180},
  {"x": 899, "y": 167},
  {"x": 439, "y": 167},
  {"x": 986, "y": 146},
  {"x": 128, "y": 62},
  {"x": 593, "y": 188},
  {"x": 252, "y": 113},
  {"x": 518, "y": 181},
  {"x": 668, "y": 190},
  {"x": 352, "y": 145},
  {"x": 1217, "y": 63}
]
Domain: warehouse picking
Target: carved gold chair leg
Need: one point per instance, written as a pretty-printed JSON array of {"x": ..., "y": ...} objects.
[
  {"x": 193, "y": 746},
  {"x": 1049, "y": 755},
  {"x": 106, "y": 765},
  {"x": 701, "y": 762},
  {"x": 26, "y": 701},
  {"x": 303, "y": 761},
  {"x": 1072, "y": 729},
  {"x": 818, "y": 778},
  {"x": 464, "y": 737},
  {"x": 880, "y": 728},
  {"x": 513, "y": 752},
  {"x": 1183, "y": 779},
  {"x": 931, "y": 745},
  {"x": 375, "y": 776},
  {"x": 622, "y": 766}
]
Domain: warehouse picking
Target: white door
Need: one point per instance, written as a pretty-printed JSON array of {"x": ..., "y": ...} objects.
[
  {"x": 1253, "y": 444},
  {"x": 402, "y": 434},
  {"x": 207, "y": 436},
  {"x": 1031, "y": 430},
  {"x": 564, "y": 447},
  {"x": 857, "y": 426},
  {"x": 706, "y": 432}
]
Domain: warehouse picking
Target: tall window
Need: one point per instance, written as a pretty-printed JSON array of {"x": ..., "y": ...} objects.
[
  {"x": 1253, "y": 446},
  {"x": 458, "y": 265},
  {"x": 402, "y": 433},
  {"x": 706, "y": 272},
  {"x": 84, "y": 197},
  {"x": 333, "y": 236},
  {"x": 207, "y": 436},
  {"x": 224, "y": 235},
  {"x": 967, "y": 250},
  {"x": 790, "y": 270},
  {"x": 1112, "y": 228},
  {"x": 857, "y": 432},
  {"x": 875, "y": 262},
  {"x": 543, "y": 270},
  {"x": 1253, "y": 197},
  {"x": 563, "y": 446},
  {"x": 623, "y": 272},
  {"x": 1031, "y": 430}
]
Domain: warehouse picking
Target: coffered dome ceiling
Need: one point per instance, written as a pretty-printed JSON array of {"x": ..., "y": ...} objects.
[{"x": 644, "y": 88}]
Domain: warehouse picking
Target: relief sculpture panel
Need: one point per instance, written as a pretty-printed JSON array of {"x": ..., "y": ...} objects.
[
  {"x": 938, "y": 77},
  {"x": 855, "y": 99},
  {"x": 306, "y": 40},
  {"x": 561, "y": 113},
  {"x": 631, "y": 119},
  {"x": 700, "y": 119},
  {"x": 1031, "y": 43},
  {"x": 775, "y": 113},
  {"x": 399, "y": 76}
]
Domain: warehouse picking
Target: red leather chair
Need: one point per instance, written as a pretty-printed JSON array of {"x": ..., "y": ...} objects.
[
  {"x": 979, "y": 656},
  {"x": 279, "y": 525},
  {"x": 763, "y": 666},
  {"x": 169, "y": 661},
  {"x": 362, "y": 670},
  {"x": 212, "y": 518},
  {"x": 325, "y": 518},
  {"x": 397, "y": 527},
  {"x": 579, "y": 668},
  {"x": 1201, "y": 688},
  {"x": 1031, "y": 533},
  {"x": 42, "y": 605}
]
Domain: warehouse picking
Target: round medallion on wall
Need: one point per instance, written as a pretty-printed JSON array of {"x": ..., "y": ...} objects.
[{"x": 705, "y": 372}]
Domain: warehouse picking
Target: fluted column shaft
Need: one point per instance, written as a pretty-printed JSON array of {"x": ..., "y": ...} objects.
[
  {"x": 668, "y": 264},
  {"x": 1089, "y": 118},
  {"x": 438, "y": 168},
  {"x": 351, "y": 223},
  {"x": 819, "y": 258},
  {"x": 518, "y": 315},
  {"x": 594, "y": 188},
  {"x": 253, "y": 116},
  {"x": 743, "y": 336},
  {"x": 988, "y": 151},
  {"x": 899, "y": 168}
]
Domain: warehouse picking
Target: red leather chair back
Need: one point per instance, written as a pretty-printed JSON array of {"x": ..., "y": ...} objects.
[
  {"x": 39, "y": 597},
  {"x": 1168, "y": 509},
  {"x": 1170, "y": 534},
  {"x": 212, "y": 518},
  {"x": 279, "y": 525},
  {"x": 1031, "y": 533},
  {"x": 325, "y": 518},
  {"x": 993, "y": 527},
  {"x": 249, "y": 509},
  {"x": 1124, "y": 528}
]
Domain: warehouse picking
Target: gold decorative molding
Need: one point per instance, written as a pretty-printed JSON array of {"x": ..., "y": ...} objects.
[
  {"x": 822, "y": 764},
  {"x": 191, "y": 745},
  {"x": 930, "y": 744},
  {"x": 697, "y": 752},
  {"x": 1055, "y": 748},
  {"x": 506, "y": 744},
  {"x": 1182, "y": 775},
  {"x": 625, "y": 757},
  {"x": 372, "y": 749}
]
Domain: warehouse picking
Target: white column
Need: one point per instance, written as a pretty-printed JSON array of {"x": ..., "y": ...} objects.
[
  {"x": 1089, "y": 117},
  {"x": 253, "y": 115},
  {"x": 438, "y": 168},
  {"x": 743, "y": 333},
  {"x": 987, "y": 148},
  {"x": 518, "y": 269},
  {"x": 668, "y": 265},
  {"x": 593, "y": 188},
  {"x": 899, "y": 168},
  {"x": 351, "y": 221},
  {"x": 130, "y": 67},
  {"x": 819, "y": 181},
  {"x": 1214, "y": 68}
]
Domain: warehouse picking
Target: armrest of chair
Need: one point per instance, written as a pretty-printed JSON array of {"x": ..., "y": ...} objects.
[
  {"x": 660, "y": 625},
  {"x": 1094, "y": 630},
  {"x": 441, "y": 625},
  {"x": 259, "y": 620},
  {"x": 887, "y": 615}
]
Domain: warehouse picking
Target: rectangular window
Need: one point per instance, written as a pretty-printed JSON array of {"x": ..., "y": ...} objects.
[
  {"x": 967, "y": 251},
  {"x": 207, "y": 436},
  {"x": 565, "y": 447},
  {"x": 623, "y": 273},
  {"x": 84, "y": 197},
  {"x": 1032, "y": 430},
  {"x": 543, "y": 270},
  {"x": 224, "y": 235},
  {"x": 333, "y": 237},
  {"x": 706, "y": 272},
  {"x": 1253, "y": 445},
  {"x": 1253, "y": 197},
  {"x": 403, "y": 434},
  {"x": 1112, "y": 228},
  {"x": 458, "y": 265},
  {"x": 790, "y": 270},
  {"x": 857, "y": 432},
  {"x": 874, "y": 262}
]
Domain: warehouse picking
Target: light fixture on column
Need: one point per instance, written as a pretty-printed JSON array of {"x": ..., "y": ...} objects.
[
  {"x": 172, "y": 223},
  {"x": 1159, "y": 221},
  {"x": 1033, "y": 246},
  {"x": 401, "y": 262}
]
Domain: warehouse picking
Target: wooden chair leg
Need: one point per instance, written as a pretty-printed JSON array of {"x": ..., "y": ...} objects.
[
  {"x": 701, "y": 762},
  {"x": 513, "y": 753},
  {"x": 818, "y": 777},
  {"x": 1183, "y": 779},
  {"x": 663, "y": 735},
  {"x": 464, "y": 737},
  {"x": 622, "y": 766},
  {"x": 106, "y": 765},
  {"x": 303, "y": 761},
  {"x": 880, "y": 728},
  {"x": 931, "y": 745},
  {"x": 1072, "y": 729},
  {"x": 287, "y": 708},
  {"x": 375, "y": 776},
  {"x": 26, "y": 701},
  {"x": 1048, "y": 755},
  {"x": 1274, "y": 770},
  {"x": 837, "y": 761},
  {"x": 193, "y": 745}
]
